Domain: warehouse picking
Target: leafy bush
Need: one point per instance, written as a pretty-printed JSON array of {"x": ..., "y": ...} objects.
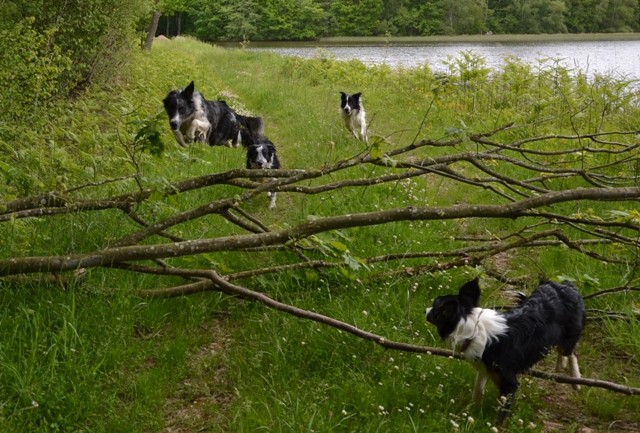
[{"x": 31, "y": 68}]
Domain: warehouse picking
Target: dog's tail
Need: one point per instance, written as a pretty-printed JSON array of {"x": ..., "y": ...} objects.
[{"x": 254, "y": 125}]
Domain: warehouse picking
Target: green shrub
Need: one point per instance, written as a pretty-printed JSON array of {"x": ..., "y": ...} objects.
[{"x": 31, "y": 68}]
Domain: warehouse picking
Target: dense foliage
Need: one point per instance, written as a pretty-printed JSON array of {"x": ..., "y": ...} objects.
[
  {"x": 50, "y": 48},
  {"x": 310, "y": 19}
]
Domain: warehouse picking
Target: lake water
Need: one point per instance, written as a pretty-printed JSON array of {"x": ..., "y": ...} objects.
[{"x": 618, "y": 59}]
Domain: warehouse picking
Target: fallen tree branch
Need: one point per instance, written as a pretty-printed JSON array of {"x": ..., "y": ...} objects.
[
  {"x": 108, "y": 256},
  {"x": 213, "y": 281}
]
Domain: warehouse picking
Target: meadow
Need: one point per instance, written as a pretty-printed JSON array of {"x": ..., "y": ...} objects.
[{"x": 94, "y": 351}]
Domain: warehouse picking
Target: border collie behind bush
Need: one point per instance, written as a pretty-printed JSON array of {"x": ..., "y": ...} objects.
[
  {"x": 261, "y": 155},
  {"x": 501, "y": 345}
]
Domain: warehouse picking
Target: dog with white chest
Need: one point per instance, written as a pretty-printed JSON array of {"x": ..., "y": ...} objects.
[
  {"x": 261, "y": 155},
  {"x": 501, "y": 345},
  {"x": 194, "y": 118},
  {"x": 353, "y": 115}
]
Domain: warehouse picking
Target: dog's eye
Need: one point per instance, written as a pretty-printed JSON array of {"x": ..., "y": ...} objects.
[{"x": 181, "y": 109}]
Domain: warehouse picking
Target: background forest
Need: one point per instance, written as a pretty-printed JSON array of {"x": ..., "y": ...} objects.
[{"x": 311, "y": 19}]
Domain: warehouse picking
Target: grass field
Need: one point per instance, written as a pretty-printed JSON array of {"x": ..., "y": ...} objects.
[{"x": 89, "y": 353}]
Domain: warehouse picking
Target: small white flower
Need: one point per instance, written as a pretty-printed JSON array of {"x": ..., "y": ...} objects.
[
  {"x": 470, "y": 420},
  {"x": 34, "y": 403},
  {"x": 532, "y": 425},
  {"x": 454, "y": 424},
  {"x": 494, "y": 429},
  {"x": 380, "y": 408},
  {"x": 344, "y": 412}
]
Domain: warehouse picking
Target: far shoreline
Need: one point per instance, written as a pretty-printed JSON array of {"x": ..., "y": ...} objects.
[{"x": 400, "y": 40}]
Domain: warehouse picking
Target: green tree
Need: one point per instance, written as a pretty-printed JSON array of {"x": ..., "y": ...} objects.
[
  {"x": 356, "y": 17},
  {"x": 464, "y": 16},
  {"x": 531, "y": 16},
  {"x": 418, "y": 18},
  {"x": 291, "y": 20},
  {"x": 225, "y": 19},
  {"x": 585, "y": 16},
  {"x": 208, "y": 22},
  {"x": 621, "y": 16}
]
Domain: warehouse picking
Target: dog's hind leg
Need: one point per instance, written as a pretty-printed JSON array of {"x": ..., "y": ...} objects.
[
  {"x": 561, "y": 362},
  {"x": 508, "y": 385},
  {"x": 574, "y": 369}
]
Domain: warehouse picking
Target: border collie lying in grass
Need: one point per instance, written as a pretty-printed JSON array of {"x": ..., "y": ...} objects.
[
  {"x": 353, "y": 115},
  {"x": 500, "y": 345},
  {"x": 194, "y": 118}
]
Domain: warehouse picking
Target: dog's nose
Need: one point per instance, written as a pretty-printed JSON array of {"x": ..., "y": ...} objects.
[
  {"x": 174, "y": 125},
  {"x": 427, "y": 315}
]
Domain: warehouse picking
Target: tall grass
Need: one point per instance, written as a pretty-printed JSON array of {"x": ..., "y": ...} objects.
[{"x": 86, "y": 353}]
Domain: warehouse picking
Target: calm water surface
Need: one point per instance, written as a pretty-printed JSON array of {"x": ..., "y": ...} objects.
[{"x": 618, "y": 59}]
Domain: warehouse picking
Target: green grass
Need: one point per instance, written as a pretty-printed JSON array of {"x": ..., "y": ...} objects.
[{"x": 86, "y": 353}]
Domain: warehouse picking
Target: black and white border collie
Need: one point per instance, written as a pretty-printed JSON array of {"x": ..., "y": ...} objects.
[
  {"x": 261, "y": 154},
  {"x": 500, "y": 345},
  {"x": 194, "y": 118},
  {"x": 353, "y": 115}
]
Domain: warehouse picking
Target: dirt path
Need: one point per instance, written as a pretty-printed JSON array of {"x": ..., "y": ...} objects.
[{"x": 200, "y": 401}]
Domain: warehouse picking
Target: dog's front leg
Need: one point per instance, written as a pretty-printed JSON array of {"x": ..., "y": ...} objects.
[
  {"x": 191, "y": 132},
  {"x": 363, "y": 133},
  {"x": 272, "y": 201},
  {"x": 478, "y": 389},
  {"x": 179, "y": 137}
]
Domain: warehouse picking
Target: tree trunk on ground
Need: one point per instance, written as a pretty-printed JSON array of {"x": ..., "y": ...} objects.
[{"x": 152, "y": 30}]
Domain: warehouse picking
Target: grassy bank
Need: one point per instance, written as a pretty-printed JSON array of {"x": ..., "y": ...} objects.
[{"x": 89, "y": 354}]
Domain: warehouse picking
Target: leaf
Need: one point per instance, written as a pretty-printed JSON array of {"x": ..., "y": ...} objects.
[
  {"x": 339, "y": 246},
  {"x": 376, "y": 147}
]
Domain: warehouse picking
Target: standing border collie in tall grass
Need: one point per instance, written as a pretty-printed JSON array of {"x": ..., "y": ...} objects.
[
  {"x": 501, "y": 345},
  {"x": 353, "y": 115},
  {"x": 194, "y": 118}
]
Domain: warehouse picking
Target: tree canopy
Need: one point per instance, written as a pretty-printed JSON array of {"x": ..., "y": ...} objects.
[{"x": 311, "y": 19}]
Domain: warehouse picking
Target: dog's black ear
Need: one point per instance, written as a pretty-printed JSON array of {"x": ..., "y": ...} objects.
[
  {"x": 471, "y": 290},
  {"x": 357, "y": 95},
  {"x": 189, "y": 89}
]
